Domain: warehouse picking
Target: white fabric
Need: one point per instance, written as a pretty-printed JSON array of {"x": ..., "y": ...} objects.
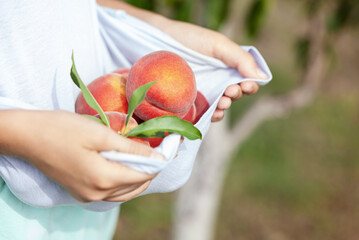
[{"x": 120, "y": 41}]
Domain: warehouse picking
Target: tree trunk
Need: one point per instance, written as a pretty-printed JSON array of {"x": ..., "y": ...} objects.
[{"x": 197, "y": 202}]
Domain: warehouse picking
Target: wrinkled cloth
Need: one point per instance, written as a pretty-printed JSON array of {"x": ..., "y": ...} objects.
[{"x": 122, "y": 39}]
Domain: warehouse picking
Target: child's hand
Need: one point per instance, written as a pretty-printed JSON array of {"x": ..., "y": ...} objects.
[
  {"x": 66, "y": 146},
  {"x": 234, "y": 56}
]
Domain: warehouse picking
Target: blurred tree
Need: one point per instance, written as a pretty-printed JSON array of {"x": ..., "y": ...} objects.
[
  {"x": 256, "y": 16},
  {"x": 197, "y": 202}
]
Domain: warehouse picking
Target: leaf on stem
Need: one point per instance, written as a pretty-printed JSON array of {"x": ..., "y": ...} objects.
[
  {"x": 91, "y": 101},
  {"x": 136, "y": 98},
  {"x": 156, "y": 127}
]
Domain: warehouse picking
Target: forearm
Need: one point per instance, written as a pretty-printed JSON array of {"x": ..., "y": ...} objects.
[
  {"x": 147, "y": 16},
  {"x": 10, "y": 137}
]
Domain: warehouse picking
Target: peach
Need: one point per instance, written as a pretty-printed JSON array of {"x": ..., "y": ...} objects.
[
  {"x": 123, "y": 71},
  {"x": 197, "y": 110},
  {"x": 202, "y": 106},
  {"x": 156, "y": 141},
  {"x": 118, "y": 122},
  {"x": 175, "y": 90},
  {"x": 199, "y": 107},
  {"x": 110, "y": 93},
  {"x": 191, "y": 115}
]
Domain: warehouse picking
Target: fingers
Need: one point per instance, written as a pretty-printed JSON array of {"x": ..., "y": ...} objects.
[
  {"x": 113, "y": 141},
  {"x": 117, "y": 174},
  {"x": 234, "y": 92},
  {"x": 249, "y": 87},
  {"x": 234, "y": 56},
  {"x": 109, "y": 180},
  {"x": 247, "y": 66},
  {"x": 123, "y": 197},
  {"x": 217, "y": 115},
  {"x": 124, "y": 190},
  {"x": 224, "y": 103}
]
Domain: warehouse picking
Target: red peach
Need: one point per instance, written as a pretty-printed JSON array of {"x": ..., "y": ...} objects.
[
  {"x": 202, "y": 106},
  {"x": 118, "y": 123},
  {"x": 110, "y": 93},
  {"x": 174, "y": 91},
  {"x": 191, "y": 115},
  {"x": 199, "y": 107},
  {"x": 156, "y": 141}
]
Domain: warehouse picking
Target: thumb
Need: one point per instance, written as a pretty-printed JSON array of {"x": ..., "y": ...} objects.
[
  {"x": 248, "y": 67},
  {"x": 234, "y": 56},
  {"x": 122, "y": 144}
]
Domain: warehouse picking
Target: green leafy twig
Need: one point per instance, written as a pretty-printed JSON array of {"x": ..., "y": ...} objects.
[
  {"x": 156, "y": 127},
  {"x": 91, "y": 101},
  {"x": 137, "y": 98}
]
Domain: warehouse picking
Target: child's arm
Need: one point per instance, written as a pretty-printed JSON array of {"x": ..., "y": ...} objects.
[
  {"x": 65, "y": 146},
  {"x": 207, "y": 42}
]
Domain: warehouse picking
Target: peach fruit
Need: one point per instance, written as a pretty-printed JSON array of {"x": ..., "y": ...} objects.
[
  {"x": 191, "y": 115},
  {"x": 199, "y": 107},
  {"x": 202, "y": 106},
  {"x": 118, "y": 122},
  {"x": 110, "y": 93},
  {"x": 156, "y": 141},
  {"x": 175, "y": 90}
]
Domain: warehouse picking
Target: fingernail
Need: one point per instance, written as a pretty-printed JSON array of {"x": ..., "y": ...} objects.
[
  {"x": 158, "y": 156},
  {"x": 261, "y": 74}
]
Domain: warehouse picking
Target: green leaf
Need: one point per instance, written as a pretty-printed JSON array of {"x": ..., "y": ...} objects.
[
  {"x": 91, "y": 101},
  {"x": 93, "y": 118},
  {"x": 136, "y": 98},
  {"x": 156, "y": 127}
]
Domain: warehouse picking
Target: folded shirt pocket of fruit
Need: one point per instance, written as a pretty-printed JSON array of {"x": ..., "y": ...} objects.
[
  {"x": 124, "y": 40},
  {"x": 211, "y": 75}
]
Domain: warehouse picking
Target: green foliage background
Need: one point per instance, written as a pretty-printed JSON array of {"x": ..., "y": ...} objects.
[{"x": 295, "y": 177}]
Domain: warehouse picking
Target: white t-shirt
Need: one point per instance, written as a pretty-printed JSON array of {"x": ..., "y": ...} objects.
[{"x": 36, "y": 42}]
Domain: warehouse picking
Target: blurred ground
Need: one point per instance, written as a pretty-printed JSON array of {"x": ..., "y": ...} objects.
[{"x": 295, "y": 178}]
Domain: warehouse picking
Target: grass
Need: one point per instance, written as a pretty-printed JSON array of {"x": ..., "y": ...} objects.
[{"x": 295, "y": 178}]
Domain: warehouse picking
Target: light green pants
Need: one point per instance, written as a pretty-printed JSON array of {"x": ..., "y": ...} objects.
[{"x": 19, "y": 221}]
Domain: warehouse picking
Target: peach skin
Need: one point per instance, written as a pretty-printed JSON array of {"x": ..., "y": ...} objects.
[
  {"x": 110, "y": 93},
  {"x": 175, "y": 90}
]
